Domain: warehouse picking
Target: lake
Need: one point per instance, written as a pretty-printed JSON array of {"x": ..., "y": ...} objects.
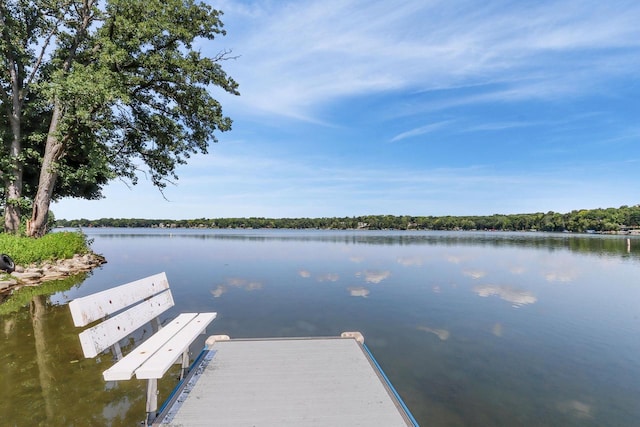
[{"x": 472, "y": 328}]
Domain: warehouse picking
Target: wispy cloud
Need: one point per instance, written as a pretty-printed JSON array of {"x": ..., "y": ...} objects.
[
  {"x": 300, "y": 56},
  {"x": 420, "y": 130}
]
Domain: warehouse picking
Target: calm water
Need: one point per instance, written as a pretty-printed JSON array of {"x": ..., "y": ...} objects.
[{"x": 495, "y": 329}]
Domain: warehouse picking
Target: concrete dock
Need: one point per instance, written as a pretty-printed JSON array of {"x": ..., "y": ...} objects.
[{"x": 283, "y": 382}]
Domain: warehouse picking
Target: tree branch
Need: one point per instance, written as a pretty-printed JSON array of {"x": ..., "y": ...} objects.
[
  {"x": 41, "y": 56},
  {"x": 87, "y": 17},
  {"x": 223, "y": 55}
]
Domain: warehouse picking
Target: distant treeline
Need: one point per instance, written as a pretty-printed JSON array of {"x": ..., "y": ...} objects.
[{"x": 597, "y": 220}]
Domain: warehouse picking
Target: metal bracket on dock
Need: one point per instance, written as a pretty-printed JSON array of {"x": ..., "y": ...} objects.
[
  {"x": 355, "y": 334},
  {"x": 213, "y": 338}
]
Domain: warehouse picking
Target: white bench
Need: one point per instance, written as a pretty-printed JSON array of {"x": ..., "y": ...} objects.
[{"x": 134, "y": 305}]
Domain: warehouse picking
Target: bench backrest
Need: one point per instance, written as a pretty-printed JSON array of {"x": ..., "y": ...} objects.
[{"x": 146, "y": 298}]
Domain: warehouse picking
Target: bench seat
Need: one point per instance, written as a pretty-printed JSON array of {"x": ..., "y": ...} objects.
[
  {"x": 156, "y": 365},
  {"x": 126, "y": 367}
]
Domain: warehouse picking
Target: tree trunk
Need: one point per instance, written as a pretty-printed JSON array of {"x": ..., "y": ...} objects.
[
  {"x": 37, "y": 225},
  {"x": 13, "y": 182}
]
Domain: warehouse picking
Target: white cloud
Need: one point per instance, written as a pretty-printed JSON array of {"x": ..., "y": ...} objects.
[
  {"x": 420, "y": 130},
  {"x": 298, "y": 56}
]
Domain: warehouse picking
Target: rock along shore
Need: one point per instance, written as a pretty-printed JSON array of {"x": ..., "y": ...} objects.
[{"x": 50, "y": 270}]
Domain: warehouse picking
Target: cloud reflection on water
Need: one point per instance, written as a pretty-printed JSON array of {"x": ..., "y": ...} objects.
[
  {"x": 414, "y": 261},
  {"x": 235, "y": 282},
  {"x": 328, "y": 277},
  {"x": 454, "y": 259},
  {"x": 517, "y": 270},
  {"x": 443, "y": 334},
  {"x": 558, "y": 276},
  {"x": 576, "y": 408},
  {"x": 374, "y": 276},
  {"x": 304, "y": 273},
  {"x": 475, "y": 274},
  {"x": 218, "y": 291},
  {"x": 517, "y": 297},
  {"x": 358, "y": 291},
  {"x": 497, "y": 329}
]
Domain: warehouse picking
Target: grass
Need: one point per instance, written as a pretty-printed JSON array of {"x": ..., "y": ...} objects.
[
  {"x": 26, "y": 250},
  {"x": 52, "y": 246}
]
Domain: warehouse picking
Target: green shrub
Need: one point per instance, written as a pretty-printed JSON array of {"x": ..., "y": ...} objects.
[{"x": 52, "y": 246}]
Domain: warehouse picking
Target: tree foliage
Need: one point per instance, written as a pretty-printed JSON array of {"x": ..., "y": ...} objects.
[
  {"x": 597, "y": 220},
  {"x": 96, "y": 90}
]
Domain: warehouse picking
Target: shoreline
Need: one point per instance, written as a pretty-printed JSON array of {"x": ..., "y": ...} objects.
[{"x": 36, "y": 274}]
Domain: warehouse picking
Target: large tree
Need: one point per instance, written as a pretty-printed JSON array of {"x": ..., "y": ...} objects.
[{"x": 94, "y": 90}]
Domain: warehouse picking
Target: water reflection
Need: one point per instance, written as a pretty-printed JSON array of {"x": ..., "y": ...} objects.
[
  {"x": 413, "y": 261},
  {"x": 517, "y": 297},
  {"x": 497, "y": 329},
  {"x": 325, "y": 277},
  {"x": 328, "y": 277},
  {"x": 443, "y": 334},
  {"x": 597, "y": 244},
  {"x": 470, "y": 365},
  {"x": 46, "y": 380},
  {"x": 517, "y": 269},
  {"x": 475, "y": 274},
  {"x": 576, "y": 408},
  {"x": 455, "y": 259},
  {"x": 374, "y": 276},
  {"x": 562, "y": 277},
  {"x": 235, "y": 282},
  {"x": 304, "y": 273},
  {"x": 358, "y": 291}
]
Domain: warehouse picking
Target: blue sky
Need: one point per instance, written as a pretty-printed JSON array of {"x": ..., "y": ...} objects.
[{"x": 412, "y": 107}]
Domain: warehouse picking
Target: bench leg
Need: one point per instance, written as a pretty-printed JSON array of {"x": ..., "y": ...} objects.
[
  {"x": 185, "y": 364},
  {"x": 152, "y": 400},
  {"x": 156, "y": 325},
  {"x": 116, "y": 351}
]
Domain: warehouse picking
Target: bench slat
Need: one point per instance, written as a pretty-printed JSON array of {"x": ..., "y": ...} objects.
[
  {"x": 100, "y": 337},
  {"x": 125, "y": 367},
  {"x": 85, "y": 310},
  {"x": 161, "y": 361}
]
